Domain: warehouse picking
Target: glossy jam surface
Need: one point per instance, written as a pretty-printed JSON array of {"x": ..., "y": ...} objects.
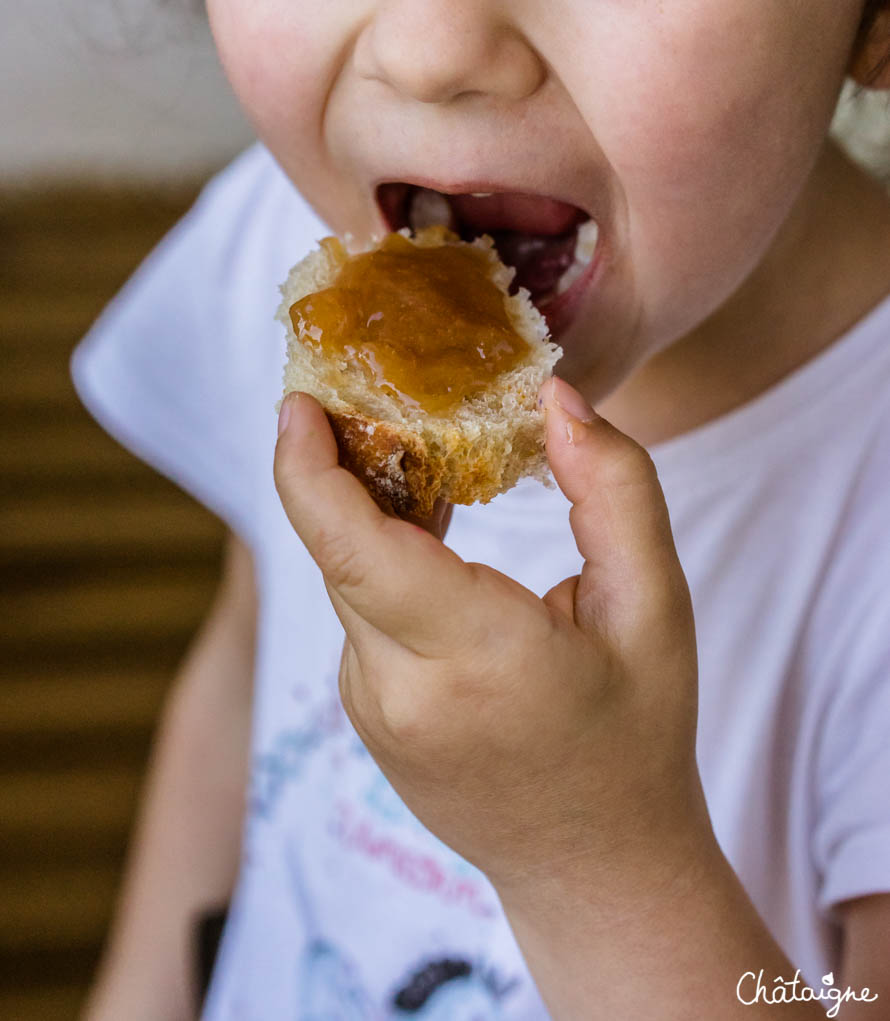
[{"x": 425, "y": 324}]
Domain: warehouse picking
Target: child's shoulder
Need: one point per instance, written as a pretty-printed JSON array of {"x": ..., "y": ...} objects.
[
  {"x": 194, "y": 331},
  {"x": 250, "y": 214}
]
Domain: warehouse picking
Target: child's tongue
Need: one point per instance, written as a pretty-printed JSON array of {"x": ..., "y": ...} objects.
[
  {"x": 539, "y": 261},
  {"x": 533, "y": 234},
  {"x": 528, "y": 214}
]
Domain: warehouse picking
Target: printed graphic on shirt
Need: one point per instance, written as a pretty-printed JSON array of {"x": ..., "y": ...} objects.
[
  {"x": 453, "y": 882},
  {"x": 331, "y": 985},
  {"x": 453, "y": 990},
  {"x": 362, "y": 816},
  {"x": 283, "y": 764},
  {"x": 363, "y": 869}
]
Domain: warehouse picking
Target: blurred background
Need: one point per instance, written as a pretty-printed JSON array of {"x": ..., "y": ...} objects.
[{"x": 112, "y": 114}]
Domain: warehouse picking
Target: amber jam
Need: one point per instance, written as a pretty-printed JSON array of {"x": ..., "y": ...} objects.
[{"x": 427, "y": 325}]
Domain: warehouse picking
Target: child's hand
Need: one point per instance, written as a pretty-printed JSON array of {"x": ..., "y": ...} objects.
[{"x": 531, "y": 735}]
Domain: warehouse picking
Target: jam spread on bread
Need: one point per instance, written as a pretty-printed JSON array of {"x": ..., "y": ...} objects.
[{"x": 427, "y": 325}]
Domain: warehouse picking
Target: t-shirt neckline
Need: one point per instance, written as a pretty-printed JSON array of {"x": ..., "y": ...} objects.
[{"x": 787, "y": 411}]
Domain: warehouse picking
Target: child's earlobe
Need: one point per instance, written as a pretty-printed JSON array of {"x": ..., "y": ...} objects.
[{"x": 870, "y": 63}]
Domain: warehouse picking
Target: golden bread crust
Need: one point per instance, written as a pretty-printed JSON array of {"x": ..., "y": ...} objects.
[
  {"x": 406, "y": 472},
  {"x": 393, "y": 464}
]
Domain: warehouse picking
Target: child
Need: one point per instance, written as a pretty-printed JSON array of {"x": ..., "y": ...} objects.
[{"x": 547, "y": 806}]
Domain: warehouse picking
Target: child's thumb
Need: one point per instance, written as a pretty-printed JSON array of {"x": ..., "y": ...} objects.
[{"x": 632, "y": 578}]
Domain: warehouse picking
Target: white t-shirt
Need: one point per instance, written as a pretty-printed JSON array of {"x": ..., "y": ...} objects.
[{"x": 347, "y": 907}]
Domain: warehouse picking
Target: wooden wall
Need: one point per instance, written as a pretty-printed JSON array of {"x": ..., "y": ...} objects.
[{"x": 105, "y": 570}]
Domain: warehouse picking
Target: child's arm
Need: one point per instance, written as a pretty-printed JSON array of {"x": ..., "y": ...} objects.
[
  {"x": 866, "y": 956},
  {"x": 184, "y": 855},
  {"x": 550, "y": 741}
]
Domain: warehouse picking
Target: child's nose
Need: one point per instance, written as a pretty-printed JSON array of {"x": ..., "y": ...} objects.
[{"x": 435, "y": 50}]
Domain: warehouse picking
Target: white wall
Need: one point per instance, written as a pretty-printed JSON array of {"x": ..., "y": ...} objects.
[{"x": 111, "y": 88}]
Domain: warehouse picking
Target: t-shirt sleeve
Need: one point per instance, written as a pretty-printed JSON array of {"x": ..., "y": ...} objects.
[
  {"x": 852, "y": 837},
  {"x": 184, "y": 366}
]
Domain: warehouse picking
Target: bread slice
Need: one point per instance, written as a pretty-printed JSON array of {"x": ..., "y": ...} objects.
[{"x": 409, "y": 458}]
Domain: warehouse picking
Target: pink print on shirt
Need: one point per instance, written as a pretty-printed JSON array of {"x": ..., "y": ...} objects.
[{"x": 414, "y": 868}]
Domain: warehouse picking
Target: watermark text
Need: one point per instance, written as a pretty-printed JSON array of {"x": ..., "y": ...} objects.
[{"x": 752, "y": 988}]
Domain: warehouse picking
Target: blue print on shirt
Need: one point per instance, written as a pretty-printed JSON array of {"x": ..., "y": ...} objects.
[
  {"x": 274, "y": 770},
  {"x": 330, "y": 986}
]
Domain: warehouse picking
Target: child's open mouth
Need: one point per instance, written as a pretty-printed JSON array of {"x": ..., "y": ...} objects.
[{"x": 550, "y": 244}]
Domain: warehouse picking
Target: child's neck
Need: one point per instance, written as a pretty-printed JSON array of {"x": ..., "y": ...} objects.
[{"x": 829, "y": 265}]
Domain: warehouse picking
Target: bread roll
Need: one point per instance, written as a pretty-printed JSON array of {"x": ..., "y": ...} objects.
[{"x": 408, "y": 456}]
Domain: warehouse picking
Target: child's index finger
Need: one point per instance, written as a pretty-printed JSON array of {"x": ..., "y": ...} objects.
[{"x": 393, "y": 573}]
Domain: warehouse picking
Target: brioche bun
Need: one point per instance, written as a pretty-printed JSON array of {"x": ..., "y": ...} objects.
[{"x": 409, "y": 458}]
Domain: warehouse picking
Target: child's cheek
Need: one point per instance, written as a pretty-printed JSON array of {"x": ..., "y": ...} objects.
[
  {"x": 704, "y": 94},
  {"x": 278, "y": 59},
  {"x": 710, "y": 130}
]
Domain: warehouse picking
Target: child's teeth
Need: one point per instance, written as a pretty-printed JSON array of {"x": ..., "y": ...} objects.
[
  {"x": 482, "y": 194},
  {"x": 429, "y": 209},
  {"x": 585, "y": 247}
]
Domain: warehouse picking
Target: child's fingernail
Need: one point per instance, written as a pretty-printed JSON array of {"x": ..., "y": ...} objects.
[
  {"x": 568, "y": 398},
  {"x": 284, "y": 413}
]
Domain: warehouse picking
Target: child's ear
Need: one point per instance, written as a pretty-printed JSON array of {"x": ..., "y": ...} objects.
[{"x": 870, "y": 64}]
